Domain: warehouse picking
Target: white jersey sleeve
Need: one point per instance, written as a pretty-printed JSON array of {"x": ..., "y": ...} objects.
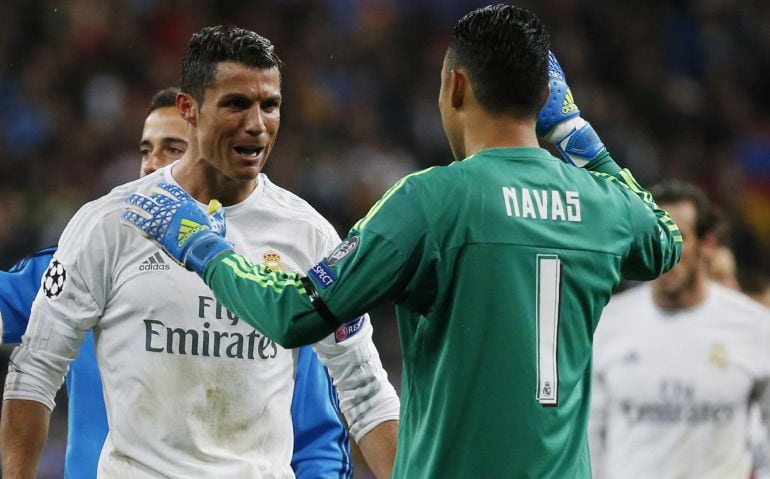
[
  {"x": 759, "y": 415},
  {"x": 367, "y": 398},
  {"x": 67, "y": 305},
  {"x": 758, "y": 440}
]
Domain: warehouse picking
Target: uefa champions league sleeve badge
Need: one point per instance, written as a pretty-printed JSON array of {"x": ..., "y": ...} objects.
[{"x": 54, "y": 279}]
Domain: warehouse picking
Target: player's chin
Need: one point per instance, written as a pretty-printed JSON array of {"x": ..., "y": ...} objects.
[
  {"x": 247, "y": 169},
  {"x": 246, "y": 173},
  {"x": 668, "y": 284}
]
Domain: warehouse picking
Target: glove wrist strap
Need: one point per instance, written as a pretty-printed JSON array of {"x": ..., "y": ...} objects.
[
  {"x": 204, "y": 250},
  {"x": 580, "y": 145}
]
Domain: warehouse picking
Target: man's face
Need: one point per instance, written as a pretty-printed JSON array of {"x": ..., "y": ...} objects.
[
  {"x": 238, "y": 120},
  {"x": 164, "y": 139},
  {"x": 682, "y": 278}
]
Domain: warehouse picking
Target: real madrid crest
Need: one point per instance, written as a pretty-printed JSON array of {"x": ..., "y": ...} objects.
[
  {"x": 272, "y": 261},
  {"x": 718, "y": 356}
]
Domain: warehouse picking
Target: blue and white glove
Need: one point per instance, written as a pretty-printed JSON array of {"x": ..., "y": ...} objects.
[
  {"x": 559, "y": 121},
  {"x": 172, "y": 218}
]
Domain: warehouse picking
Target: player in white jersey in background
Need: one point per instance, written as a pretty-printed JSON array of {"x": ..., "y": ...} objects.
[
  {"x": 677, "y": 365},
  {"x": 164, "y": 135},
  {"x": 749, "y": 278},
  {"x": 190, "y": 390}
]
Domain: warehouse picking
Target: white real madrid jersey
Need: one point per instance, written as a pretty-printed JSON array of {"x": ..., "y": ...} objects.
[
  {"x": 190, "y": 390},
  {"x": 671, "y": 390}
]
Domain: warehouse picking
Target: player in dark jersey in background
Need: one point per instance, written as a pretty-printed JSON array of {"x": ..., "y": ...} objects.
[{"x": 499, "y": 264}]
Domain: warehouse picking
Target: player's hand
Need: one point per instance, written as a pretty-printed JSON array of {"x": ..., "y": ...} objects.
[
  {"x": 559, "y": 121},
  {"x": 172, "y": 219}
]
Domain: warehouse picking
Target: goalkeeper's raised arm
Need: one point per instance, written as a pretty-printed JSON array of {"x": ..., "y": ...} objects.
[{"x": 561, "y": 124}]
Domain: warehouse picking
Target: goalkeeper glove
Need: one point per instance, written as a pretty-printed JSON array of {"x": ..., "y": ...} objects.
[
  {"x": 173, "y": 220},
  {"x": 559, "y": 121}
]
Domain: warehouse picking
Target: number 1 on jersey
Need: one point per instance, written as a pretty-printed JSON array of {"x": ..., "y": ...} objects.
[{"x": 547, "y": 308}]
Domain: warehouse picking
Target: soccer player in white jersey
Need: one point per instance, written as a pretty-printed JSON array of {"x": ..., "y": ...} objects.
[
  {"x": 723, "y": 269},
  {"x": 164, "y": 136},
  {"x": 190, "y": 390},
  {"x": 678, "y": 364},
  {"x": 321, "y": 448}
]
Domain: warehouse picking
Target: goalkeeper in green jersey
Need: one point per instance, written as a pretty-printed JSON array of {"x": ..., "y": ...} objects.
[{"x": 499, "y": 264}]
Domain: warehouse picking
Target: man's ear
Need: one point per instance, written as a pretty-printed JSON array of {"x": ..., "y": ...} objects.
[
  {"x": 188, "y": 108},
  {"x": 547, "y": 96},
  {"x": 458, "y": 82},
  {"x": 708, "y": 245}
]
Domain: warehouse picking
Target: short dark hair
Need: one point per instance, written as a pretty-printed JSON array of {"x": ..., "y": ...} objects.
[
  {"x": 505, "y": 51},
  {"x": 163, "y": 98},
  {"x": 752, "y": 260},
  {"x": 675, "y": 191},
  {"x": 223, "y": 43}
]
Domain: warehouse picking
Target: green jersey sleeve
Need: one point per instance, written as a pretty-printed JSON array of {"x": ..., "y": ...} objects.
[
  {"x": 384, "y": 256},
  {"x": 383, "y": 251},
  {"x": 275, "y": 303},
  {"x": 657, "y": 242}
]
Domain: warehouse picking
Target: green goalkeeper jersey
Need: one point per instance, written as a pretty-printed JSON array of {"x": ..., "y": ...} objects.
[{"x": 499, "y": 266}]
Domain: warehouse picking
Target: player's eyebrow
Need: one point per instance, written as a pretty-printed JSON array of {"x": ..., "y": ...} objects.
[
  {"x": 240, "y": 97},
  {"x": 165, "y": 139},
  {"x": 235, "y": 97}
]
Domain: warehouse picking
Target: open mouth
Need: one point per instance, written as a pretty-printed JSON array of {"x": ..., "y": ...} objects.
[{"x": 248, "y": 152}]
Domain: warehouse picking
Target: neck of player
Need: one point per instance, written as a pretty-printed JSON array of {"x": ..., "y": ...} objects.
[
  {"x": 204, "y": 182},
  {"x": 483, "y": 131},
  {"x": 689, "y": 296}
]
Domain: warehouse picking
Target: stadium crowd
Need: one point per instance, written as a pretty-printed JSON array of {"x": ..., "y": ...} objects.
[{"x": 674, "y": 88}]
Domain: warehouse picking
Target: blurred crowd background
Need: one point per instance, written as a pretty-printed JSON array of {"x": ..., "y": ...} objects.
[{"x": 675, "y": 88}]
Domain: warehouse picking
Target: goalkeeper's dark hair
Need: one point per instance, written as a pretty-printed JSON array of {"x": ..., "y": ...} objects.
[
  {"x": 676, "y": 191},
  {"x": 163, "y": 98},
  {"x": 504, "y": 49},
  {"x": 223, "y": 43}
]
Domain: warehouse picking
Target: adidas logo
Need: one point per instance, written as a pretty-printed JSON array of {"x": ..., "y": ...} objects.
[
  {"x": 154, "y": 263},
  {"x": 568, "y": 105},
  {"x": 187, "y": 229}
]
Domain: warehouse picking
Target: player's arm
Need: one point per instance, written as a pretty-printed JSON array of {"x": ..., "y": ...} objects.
[
  {"x": 69, "y": 303},
  {"x": 379, "y": 448},
  {"x": 759, "y": 402},
  {"x": 758, "y": 441},
  {"x": 18, "y": 287},
  {"x": 280, "y": 305},
  {"x": 321, "y": 446},
  {"x": 367, "y": 399},
  {"x": 24, "y": 424},
  {"x": 290, "y": 309},
  {"x": 35, "y": 374},
  {"x": 23, "y": 431},
  {"x": 657, "y": 242},
  {"x": 87, "y": 425}
]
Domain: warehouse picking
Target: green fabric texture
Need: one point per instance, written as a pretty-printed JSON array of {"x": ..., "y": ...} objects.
[{"x": 499, "y": 266}]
